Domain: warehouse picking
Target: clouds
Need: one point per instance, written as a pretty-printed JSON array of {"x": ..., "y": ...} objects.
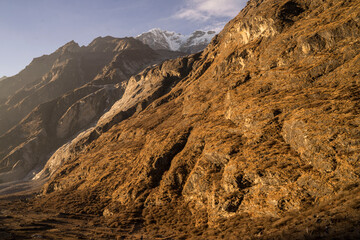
[
  {"x": 203, "y": 10},
  {"x": 216, "y": 26}
]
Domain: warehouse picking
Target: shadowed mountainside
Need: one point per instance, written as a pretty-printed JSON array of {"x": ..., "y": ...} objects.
[
  {"x": 52, "y": 107},
  {"x": 257, "y": 137}
]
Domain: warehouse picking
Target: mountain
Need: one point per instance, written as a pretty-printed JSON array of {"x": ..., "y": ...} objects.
[
  {"x": 255, "y": 137},
  {"x": 49, "y": 108},
  {"x": 161, "y": 39},
  {"x": 2, "y": 78}
]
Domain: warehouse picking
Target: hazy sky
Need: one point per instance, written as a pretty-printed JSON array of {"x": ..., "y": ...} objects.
[{"x": 31, "y": 28}]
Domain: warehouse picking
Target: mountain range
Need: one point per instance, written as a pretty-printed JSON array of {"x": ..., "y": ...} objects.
[
  {"x": 43, "y": 104},
  {"x": 59, "y": 94},
  {"x": 255, "y": 137},
  {"x": 161, "y": 39}
]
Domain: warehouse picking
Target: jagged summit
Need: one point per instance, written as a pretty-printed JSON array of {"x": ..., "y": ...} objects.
[
  {"x": 109, "y": 43},
  {"x": 157, "y": 38},
  {"x": 67, "y": 48}
]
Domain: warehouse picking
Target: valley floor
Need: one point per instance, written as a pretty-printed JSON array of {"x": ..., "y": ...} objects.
[{"x": 22, "y": 217}]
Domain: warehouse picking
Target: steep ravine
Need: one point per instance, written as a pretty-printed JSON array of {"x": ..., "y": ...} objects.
[{"x": 257, "y": 137}]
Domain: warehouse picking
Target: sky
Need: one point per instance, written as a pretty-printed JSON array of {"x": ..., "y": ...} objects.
[{"x": 32, "y": 28}]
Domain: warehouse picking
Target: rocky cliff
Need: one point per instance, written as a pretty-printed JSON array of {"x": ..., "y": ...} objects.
[{"x": 257, "y": 137}]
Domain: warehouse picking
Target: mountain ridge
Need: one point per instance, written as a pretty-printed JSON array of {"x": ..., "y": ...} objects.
[
  {"x": 105, "y": 61},
  {"x": 80, "y": 85},
  {"x": 161, "y": 39}
]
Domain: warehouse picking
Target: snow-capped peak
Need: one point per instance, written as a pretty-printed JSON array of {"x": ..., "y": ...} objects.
[{"x": 161, "y": 39}]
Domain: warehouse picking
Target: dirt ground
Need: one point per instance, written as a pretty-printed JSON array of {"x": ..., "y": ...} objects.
[{"x": 22, "y": 217}]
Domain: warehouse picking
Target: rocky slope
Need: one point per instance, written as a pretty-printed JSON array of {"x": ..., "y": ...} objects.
[
  {"x": 3, "y": 78},
  {"x": 161, "y": 39},
  {"x": 80, "y": 85},
  {"x": 68, "y": 68},
  {"x": 257, "y": 137}
]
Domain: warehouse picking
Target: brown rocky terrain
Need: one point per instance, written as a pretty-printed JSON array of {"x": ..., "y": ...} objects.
[
  {"x": 70, "y": 67},
  {"x": 52, "y": 107},
  {"x": 257, "y": 137}
]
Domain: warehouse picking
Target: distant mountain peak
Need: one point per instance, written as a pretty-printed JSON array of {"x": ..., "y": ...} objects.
[
  {"x": 157, "y": 38},
  {"x": 71, "y": 46}
]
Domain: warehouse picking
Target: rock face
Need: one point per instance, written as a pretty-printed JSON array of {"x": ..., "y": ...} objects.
[
  {"x": 53, "y": 106},
  {"x": 160, "y": 39},
  {"x": 256, "y": 137},
  {"x": 3, "y": 78},
  {"x": 140, "y": 91}
]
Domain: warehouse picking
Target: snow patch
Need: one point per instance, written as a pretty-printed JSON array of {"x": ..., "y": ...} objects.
[{"x": 162, "y": 39}]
